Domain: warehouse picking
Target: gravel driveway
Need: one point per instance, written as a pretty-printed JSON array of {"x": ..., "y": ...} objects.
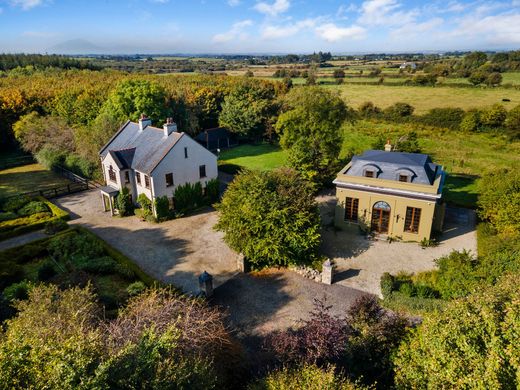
[
  {"x": 361, "y": 262},
  {"x": 175, "y": 251}
]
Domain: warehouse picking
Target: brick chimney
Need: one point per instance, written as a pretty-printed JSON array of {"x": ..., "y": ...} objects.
[
  {"x": 388, "y": 146},
  {"x": 169, "y": 127},
  {"x": 144, "y": 121}
]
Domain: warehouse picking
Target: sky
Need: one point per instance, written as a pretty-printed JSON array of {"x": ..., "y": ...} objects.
[{"x": 256, "y": 26}]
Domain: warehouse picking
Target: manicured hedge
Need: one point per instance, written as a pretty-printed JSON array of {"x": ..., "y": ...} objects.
[
  {"x": 123, "y": 260},
  {"x": 22, "y": 225}
]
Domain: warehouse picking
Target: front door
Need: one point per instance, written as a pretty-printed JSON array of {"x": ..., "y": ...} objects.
[
  {"x": 106, "y": 202},
  {"x": 380, "y": 217}
]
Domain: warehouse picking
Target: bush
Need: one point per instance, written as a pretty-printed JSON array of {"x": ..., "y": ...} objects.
[
  {"x": 50, "y": 157},
  {"x": 68, "y": 247},
  {"x": 444, "y": 117},
  {"x": 135, "y": 288},
  {"x": 495, "y": 116},
  {"x": 425, "y": 79},
  {"x": 17, "y": 291},
  {"x": 213, "y": 191},
  {"x": 398, "y": 111},
  {"x": 368, "y": 109},
  {"x": 10, "y": 273},
  {"x": 423, "y": 291},
  {"x": 33, "y": 207},
  {"x": 146, "y": 206},
  {"x": 471, "y": 122},
  {"x": 8, "y": 216},
  {"x": 512, "y": 121},
  {"x": 104, "y": 265},
  {"x": 46, "y": 271},
  {"x": 407, "y": 289},
  {"x": 188, "y": 197},
  {"x": 408, "y": 143},
  {"x": 162, "y": 208},
  {"x": 53, "y": 227},
  {"x": 387, "y": 284},
  {"x": 16, "y": 203},
  {"x": 123, "y": 202},
  {"x": 79, "y": 165},
  {"x": 456, "y": 274}
]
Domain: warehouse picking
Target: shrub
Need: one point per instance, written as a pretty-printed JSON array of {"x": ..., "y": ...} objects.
[
  {"x": 471, "y": 121},
  {"x": 46, "y": 271},
  {"x": 495, "y": 116},
  {"x": 10, "y": 273},
  {"x": 100, "y": 265},
  {"x": 512, "y": 121},
  {"x": 454, "y": 347},
  {"x": 307, "y": 377},
  {"x": 135, "y": 288},
  {"x": 123, "y": 202},
  {"x": 408, "y": 143},
  {"x": 425, "y": 79},
  {"x": 16, "y": 203},
  {"x": 407, "y": 289},
  {"x": 50, "y": 157},
  {"x": 146, "y": 206},
  {"x": 162, "y": 208},
  {"x": 444, "y": 117},
  {"x": 456, "y": 276},
  {"x": 368, "y": 109},
  {"x": 398, "y": 110},
  {"x": 423, "y": 291},
  {"x": 213, "y": 191},
  {"x": 69, "y": 246},
  {"x": 8, "y": 216},
  {"x": 53, "y": 227},
  {"x": 188, "y": 197},
  {"x": 79, "y": 165},
  {"x": 18, "y": 291},
  {"x": 33, "y": 207},
  {"x": 387, "y": 284},
  {"x": 493, "y": 79}
]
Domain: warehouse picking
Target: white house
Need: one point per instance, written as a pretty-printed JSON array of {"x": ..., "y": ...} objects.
[{"x": 153, "y": 161}]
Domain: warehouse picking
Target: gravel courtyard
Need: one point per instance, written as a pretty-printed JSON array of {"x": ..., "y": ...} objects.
[
  {"x": 175, "y": 251},
  {"x": 361, "y": 262}
]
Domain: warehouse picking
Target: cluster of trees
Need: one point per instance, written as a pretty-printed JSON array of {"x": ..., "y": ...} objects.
[
  {"x": 493, "y": 118},
  {"x": 74, "y": 113},
  {"x": 35, "y": 61}
]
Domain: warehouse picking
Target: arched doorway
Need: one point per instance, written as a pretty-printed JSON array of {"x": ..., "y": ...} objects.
[{"x": 380, "y": 217}]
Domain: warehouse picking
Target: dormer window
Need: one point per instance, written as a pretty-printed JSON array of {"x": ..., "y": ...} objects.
[
  {"x": 404, "y": 178},
  {"x": 369, "y": 173}
]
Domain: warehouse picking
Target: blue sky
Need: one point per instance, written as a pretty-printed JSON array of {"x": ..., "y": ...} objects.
[{"x": 257, "y": 26}]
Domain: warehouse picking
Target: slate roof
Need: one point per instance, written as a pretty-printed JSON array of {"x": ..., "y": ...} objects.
[
  {"x": 388, "y": 165},
  {"x": 139, "y": 150}
]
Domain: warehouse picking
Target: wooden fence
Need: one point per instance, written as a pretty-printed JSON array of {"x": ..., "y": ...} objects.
[{"x": 77, "y": 184}]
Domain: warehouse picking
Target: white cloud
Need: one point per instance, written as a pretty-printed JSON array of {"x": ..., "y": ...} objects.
[
  {"x": 385, "y": 13},
  {"x": 27, "y": 4},
  {"x": 235, "y": 33},
  {"x": 276, "y": 32},
  {"x": 233, "y": 3},
  {"x": 500, "y": 30},
  {"x": 413, "y": 29},
  {"x": 332, "y": 33},
  {"x": 273, "y": 9}
]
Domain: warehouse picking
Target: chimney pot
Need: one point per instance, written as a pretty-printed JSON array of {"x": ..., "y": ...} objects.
[
  {"x": 143, "y": 122},
  {"x": 169, "y": 127}
]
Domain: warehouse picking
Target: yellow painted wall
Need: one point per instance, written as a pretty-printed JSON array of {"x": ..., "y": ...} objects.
[{"x": 397, "y": 213}]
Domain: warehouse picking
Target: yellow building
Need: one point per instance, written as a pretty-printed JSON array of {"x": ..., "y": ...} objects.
[{"x": 391, "y": 193}]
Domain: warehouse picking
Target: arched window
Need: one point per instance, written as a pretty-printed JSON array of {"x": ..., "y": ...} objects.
[{"x": 382, "y": 206}]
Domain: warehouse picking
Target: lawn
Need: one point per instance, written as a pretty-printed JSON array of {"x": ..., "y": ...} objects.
[
  {"x": 262, "y": 156},
  {"x": 28, "y": 178}
]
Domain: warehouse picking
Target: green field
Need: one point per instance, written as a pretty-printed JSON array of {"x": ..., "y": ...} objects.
[
  {"x": 426, "y": 98},
  {"x": 27, "y": 178},
  {"x": 464, "y": 156}
]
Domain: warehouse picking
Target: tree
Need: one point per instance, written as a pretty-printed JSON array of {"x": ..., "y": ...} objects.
[
  {"x": 477, "y": 77},
  {"x": 493, "y": 79},
  {"x": 471, "y": 121},
  {"x": 131, "y": 98},
  {"x": 271, "y": 217},
  {"x": 54, "y": 341},
  {"x": 310, "y": 125},
  {"x": 246, "y": 111},
  {"x": 512, "y": 121},
  {"x": 472, "y": 343},
  {"x": 399, "y": 110},
  {"x": 499, "y": 200},
  {"x": 338, "y": 74},
  {"x": 475, "y": 59}
]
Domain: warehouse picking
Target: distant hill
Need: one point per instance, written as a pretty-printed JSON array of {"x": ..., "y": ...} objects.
[{"x": 76, "y": 46}]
